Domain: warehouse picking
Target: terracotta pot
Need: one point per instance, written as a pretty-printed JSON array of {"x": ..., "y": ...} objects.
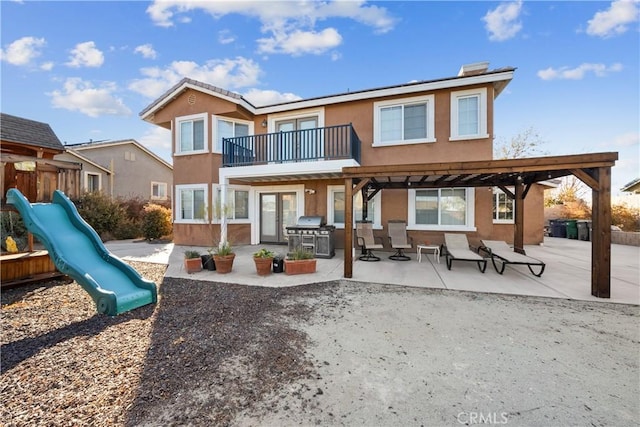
[
  {"x": 224, "y": 263},
  {"x": 192, "y": 265},
  {"x": 301, "y": 266},
  {"x": 263, "y": 265}
]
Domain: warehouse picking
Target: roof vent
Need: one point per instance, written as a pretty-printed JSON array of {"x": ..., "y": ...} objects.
[{"x": 473, "y": 69}]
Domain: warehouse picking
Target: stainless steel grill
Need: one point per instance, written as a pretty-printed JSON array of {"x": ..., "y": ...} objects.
[{"x": 312, "y": 234}]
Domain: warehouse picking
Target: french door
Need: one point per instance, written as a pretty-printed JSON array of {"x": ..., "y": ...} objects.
[
  {"x": 298, "y": 139},
  {"x": 277, "y": 211}
]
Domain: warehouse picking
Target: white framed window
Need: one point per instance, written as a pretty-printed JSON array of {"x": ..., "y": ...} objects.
[
  {"x": 158, "y": 190},
  {"x": 191, "y": 134},
  {"x": 336, "y": 205},
  {"x": 191, "y": 206},
  {"x": 237, "y": 203},
  {"x": 225, "y": 127},
  {"x": 92, "y": 182},
  {"x": 404, "y": 121},
  {"x": 442, "y": 209},
  {"x": 503, "y": 207},
  {"x": 469, "y": 114}
]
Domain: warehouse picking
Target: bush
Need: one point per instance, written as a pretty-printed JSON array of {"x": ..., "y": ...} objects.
[
  {"x": 156, "y": 222},
  {"x": 625, "y": 217},
  {"x": 101, "y": 212}
]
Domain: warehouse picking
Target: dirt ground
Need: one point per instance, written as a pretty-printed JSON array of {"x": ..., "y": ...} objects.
[{"x": 334, "y": 354}]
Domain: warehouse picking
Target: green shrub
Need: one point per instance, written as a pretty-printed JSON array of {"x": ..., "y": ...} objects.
[
  {"x": 101, "y": 212},
  {"x": 156, "y": 222}
]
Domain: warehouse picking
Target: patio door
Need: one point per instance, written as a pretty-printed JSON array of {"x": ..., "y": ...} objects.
[
  {"x": 277, "y": 211},
  {"x": 295, "y": 143}
]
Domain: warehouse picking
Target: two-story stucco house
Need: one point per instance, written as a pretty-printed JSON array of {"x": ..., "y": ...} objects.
[
  {"x": 271, "y": 164},
  {"x": 123, "y": 168}
]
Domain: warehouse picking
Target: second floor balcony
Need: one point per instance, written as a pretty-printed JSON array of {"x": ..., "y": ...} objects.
[{"x": 307, "y": 145}]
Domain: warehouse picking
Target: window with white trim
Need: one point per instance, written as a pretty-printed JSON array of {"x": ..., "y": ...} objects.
[
  {"x": 503, "y": 207},
  {"x": 191, "y": 203},
  {"x": 92, "y": 182},
  {"x": 229, "y": 128},
  {"x": 469, "y": 114},
  {"x": 442, "y": 209},
  {"x": 237, "y": 203},
  {"x": 404, "y": 121},
  {"x": 158, "y": 190},
  {"x": 336, "y": 205},
  {"x": 191, "y": 134}
]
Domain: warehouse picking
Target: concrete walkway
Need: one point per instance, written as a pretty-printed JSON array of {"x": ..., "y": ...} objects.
[{"x": 567, "y": 276}]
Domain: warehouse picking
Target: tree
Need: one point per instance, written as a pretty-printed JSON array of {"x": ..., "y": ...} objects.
[{"x": 525, "y": 144}]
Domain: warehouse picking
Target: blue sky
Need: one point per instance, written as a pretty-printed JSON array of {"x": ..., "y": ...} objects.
[{"x": 89, "y": 67}]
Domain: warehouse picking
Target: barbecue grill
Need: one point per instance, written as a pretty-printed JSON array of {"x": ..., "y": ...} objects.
[{"x": 312, "y": 234}]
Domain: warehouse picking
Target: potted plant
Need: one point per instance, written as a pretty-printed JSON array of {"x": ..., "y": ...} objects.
[
  {"x": 300, "y": 261},
  {"x": 223, "y": 257},
  {"x": 263, "y": 260},
  {"x": 192, "y": 261}
]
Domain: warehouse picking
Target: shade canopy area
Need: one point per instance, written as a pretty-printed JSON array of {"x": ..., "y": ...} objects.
[{"x": 593, "y": 169}]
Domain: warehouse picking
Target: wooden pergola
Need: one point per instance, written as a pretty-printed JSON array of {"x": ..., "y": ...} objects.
[{"x": 593, "y": 169}]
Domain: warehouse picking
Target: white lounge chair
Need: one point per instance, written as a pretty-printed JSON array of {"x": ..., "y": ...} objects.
[
  {"x": 502, "y": 253},
  {"x": 458, "y": 249}
]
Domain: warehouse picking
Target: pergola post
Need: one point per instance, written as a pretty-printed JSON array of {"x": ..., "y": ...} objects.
[
  {"x": 601, "y": 235},
  {"x": 518, "y": 229},
  {"x": 348, "y": 228}
]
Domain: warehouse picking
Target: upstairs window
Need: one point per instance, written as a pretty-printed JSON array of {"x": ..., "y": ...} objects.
[
  {"x": 191, "y": 134},
  {"x": 469, "y": 114},
  {"x": 405, "y": 121},
  {"x": 226, "y": 128}
]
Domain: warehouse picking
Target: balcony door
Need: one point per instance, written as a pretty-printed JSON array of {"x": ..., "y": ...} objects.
[
  {"x": 298, "y": 140},
  {"x": 277, "y": 211}
]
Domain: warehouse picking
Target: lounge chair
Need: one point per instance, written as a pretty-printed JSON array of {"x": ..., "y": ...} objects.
[
  {"x": 366, "y": 240},
  {"x": 458, "y": 249},
  {"x": 398, "y": 239},
  {"x": 501, "y": 252}
]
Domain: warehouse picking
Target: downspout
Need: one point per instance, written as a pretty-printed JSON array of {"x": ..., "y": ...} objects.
[{"x": 111, "y": 178}]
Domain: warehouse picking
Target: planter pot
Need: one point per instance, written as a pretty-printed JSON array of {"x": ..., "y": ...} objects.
[
  {"x": 263, "y": 265},
  {"x": 208, "y": 263},
  {"x": 192, "y": 265},
  {"x": 301, "y": 266},
  {"x": 224, "y": 263}
]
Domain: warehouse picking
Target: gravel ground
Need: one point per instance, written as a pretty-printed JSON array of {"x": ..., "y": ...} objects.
[{"x": 333, "y": 354}]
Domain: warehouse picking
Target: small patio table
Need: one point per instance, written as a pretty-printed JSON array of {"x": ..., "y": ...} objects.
[{"x": 434, "y": 248}]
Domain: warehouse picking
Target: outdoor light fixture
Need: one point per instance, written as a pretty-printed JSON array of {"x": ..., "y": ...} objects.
[{"x": 264, "y": 123}]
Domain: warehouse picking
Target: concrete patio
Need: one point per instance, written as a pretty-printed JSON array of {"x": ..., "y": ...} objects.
[{"x": 567, "y": 276}]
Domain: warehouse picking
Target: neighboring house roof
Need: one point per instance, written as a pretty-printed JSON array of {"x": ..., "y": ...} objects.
[
  {"x": 93, "y": 145},
  {"x": 83, "y": 159},
  {"x": 499, "y": 77},
  {"x": 632, "y": 187},
  {"x": 28, "y": 132}
]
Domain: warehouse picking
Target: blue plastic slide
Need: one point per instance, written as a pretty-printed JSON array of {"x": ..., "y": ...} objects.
[{"x": 77, "y": 251}]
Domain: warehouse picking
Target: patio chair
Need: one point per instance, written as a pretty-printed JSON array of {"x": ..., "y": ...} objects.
[
  {"x": 367, "y": 241},
  {"x": 501, "y": 253},
  {"x": 398, "y": 239},
  {"x": 458, "y": 249}
]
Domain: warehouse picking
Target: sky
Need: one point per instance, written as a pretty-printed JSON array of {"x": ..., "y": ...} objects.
[{"x": 88, "y": 68}]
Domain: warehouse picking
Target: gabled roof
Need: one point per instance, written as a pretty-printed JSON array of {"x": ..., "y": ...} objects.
[
  {"x": 28, "y": 132},
  {"x": 87, "y": 146},
  {"x": 632, "y": 187},
  {"x": 83, "y": 159},
  {"x": 499, "y": 77}
]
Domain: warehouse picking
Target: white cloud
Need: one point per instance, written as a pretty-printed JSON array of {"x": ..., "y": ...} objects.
[
  {"x": 502, "y": 22},
  {"x": 268, "y": 97},
  {"x": 300, "y": 42},
  {"x": 158, "y": 140},
  {"x": 628, "y": 139},
  {"x": 47, "y": 66},
  {"x": 578, "y": 73},
  {"x": 82, "y": 96},
  {"x": 614, "y": 20},
  {"x": 289, "y": 26},
  {"x": 226, "y": 37},
  {"x": 226, "y": 73},
  {"x": 23, "y": 51},
  {"x": 146, "y": 50},
  {"x": 85, "y": 55}
]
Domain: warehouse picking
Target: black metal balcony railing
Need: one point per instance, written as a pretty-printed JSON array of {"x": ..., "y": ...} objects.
[{"x": 328, "y": 143}]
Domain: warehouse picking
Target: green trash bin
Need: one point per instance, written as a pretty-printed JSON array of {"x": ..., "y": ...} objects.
[{"x": 572, "y": 229}]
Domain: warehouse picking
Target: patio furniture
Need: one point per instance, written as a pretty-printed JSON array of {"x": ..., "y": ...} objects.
[
  {"x": 457, "y": 248},
  {"x": 367, "y": 241},
  {"x": 398, "y": 239},
  {"x": 501, "y": 252},
  {"x": 434, "y": 248}
]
